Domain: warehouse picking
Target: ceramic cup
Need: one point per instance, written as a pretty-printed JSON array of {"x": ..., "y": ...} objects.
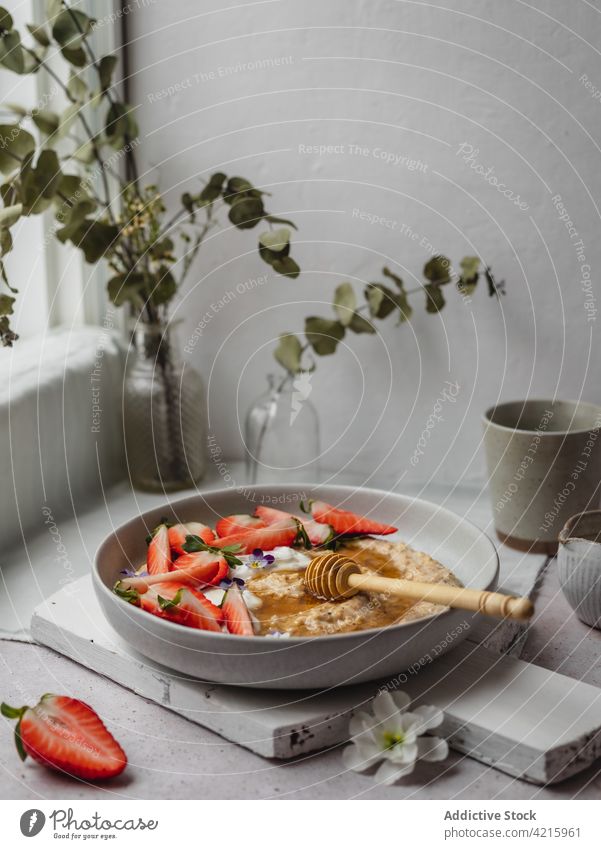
[
  {"x": 579, "y": 565},
  {"x": 544, "y": 465}
]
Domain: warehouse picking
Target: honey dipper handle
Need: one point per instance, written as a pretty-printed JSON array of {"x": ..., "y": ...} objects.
[{"x": 492, "y": 604}]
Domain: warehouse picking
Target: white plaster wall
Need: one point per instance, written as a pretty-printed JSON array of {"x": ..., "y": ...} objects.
[{"x": 407, "y": 78}]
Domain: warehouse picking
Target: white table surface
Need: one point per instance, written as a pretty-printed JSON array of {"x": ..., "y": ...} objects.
[{"x": 172, "y": 758}]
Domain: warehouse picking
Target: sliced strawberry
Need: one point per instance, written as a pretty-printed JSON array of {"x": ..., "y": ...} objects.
[
  {"x": 235, "y": 612},
  {"x": 178, "y": 534},
  {"x": 345, "y": 522},
  {"x": 203, "y": 568},
  {"x": 67, "y": 735},
  {"x": 158, "y": 558},
  {"x": 284, "y": 532},
  {"x": 182, "y": 604},
  {"x": 317, "y": 533},
  {"x": 198, "y": 611},
  {"x": 237, "y": 524}
]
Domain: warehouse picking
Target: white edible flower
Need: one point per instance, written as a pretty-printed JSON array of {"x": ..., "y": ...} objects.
[{"x": 391, "y": 736}]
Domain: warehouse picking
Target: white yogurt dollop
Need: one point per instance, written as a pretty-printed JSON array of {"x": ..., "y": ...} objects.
[{"x": 285, "y": 558}]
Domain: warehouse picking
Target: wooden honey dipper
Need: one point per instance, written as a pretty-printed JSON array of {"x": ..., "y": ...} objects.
[{"x": 334, "y": 577}]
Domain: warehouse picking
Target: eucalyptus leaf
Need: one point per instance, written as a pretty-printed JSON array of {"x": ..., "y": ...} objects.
[
  {"x": 70, "y": 215},
  {"x": 7, "y": 337},
  {"x": 6, "y": 241},
  {"x": 213, "y": 188},
  {"x": 435, "y": 300},
  {"x": 77, "y": 87},
  {"x": 380, "y": 299},
  {"x": 360, "y": 324},
  {"x": 11, "y": 52},
  {"x": 40, "y": 34},
  {"x": 120, "y": 124},
  {"x": 286, "y": 266},
  {"x": 438, "y": 270},
  {"x": 288, "y": 352},
  {"x": 246, "y": 212},
  {"x": 66, "y": 119},
  {"x": 323, "y": 334},
  {"x": 275, "y": 240},
  {"x": 126, "y": 287},
  {"x": 165, "y": 288},
  {"x": 95, "y": 238},
  {"x": 40, "y": 184},
  {"x": 238, "y": 188},
  {"x": 6, "y": 21},
  {"x": 16, "y": 109},
  {"x": 69, "y": 28},
  {"x": 15, "y": 145},
  {"x": 470, "y": 272},
  {"x": 84, "y": 153},
  {"x": 106, "y": 66},
  {"x": 394, "y": 277},
  {"x": 345, "y": 303},
  {"x": 9, "y": 215},
  {"x": 46, "y": 121},
  {"x": 53, "y": 9},
  {"x": 75, "y": 56},
  {"x": 6, "y": 305}
]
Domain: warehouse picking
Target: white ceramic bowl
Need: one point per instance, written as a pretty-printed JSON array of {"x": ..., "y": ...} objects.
[
  {"x": 579, "y": 565},
  {"x": 300, "y": 662}
]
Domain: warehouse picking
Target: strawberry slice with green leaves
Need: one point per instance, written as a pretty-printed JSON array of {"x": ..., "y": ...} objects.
[
  {"x": 178, "y": 534},
  {"x": 191, "y": 608},
  {"x": 158, "y": 557},
  {"x": 346, "y": 523},
  {"x": 177, "y": 602},
  {"x": 317, "y": 533},
  {"x": 65, "y": 734},
  {"x": 284, "y": 532},
  {"x": 235, "y": 613},
  {"x": 238, "y": 523}
]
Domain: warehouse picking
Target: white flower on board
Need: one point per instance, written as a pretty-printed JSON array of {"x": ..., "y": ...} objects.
[{"x": 392, "y": 737}]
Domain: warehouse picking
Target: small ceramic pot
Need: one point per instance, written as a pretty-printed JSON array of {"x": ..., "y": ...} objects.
[
  {"x": 544, "y": 465},
  {"x": 579, "y": 565}
]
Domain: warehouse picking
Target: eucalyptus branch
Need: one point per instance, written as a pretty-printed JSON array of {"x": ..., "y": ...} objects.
[
  {"x": 91, "y": 138},
  {"x": 129, "y": 152}
]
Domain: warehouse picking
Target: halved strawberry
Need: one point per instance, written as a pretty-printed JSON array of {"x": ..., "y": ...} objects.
[
  {"x": 204, "y": 565},
  {"x": 182, "y": 604},
  {"x": 158, "y": 557},
  {"x": 203, "y": 568},
  {"x": 345, "y": 522},
  {"x": 178, "y": 534},
  {"x": 67, "y": 735},
  {"x": 235, "y": 612},
  {"x": 317, "y": 533},
  {"x": 236, "y": 524},
  {"x": 283, "y": 532}
]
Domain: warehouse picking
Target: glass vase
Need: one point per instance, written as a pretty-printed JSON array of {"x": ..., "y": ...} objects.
[
  {"x": 282, "y": 433},
  {"x": 164, "y": 412}
]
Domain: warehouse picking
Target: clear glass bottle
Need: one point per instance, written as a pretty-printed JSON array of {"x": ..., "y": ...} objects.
[
  {"x": 164, "y": 413},
  {"x": 282, "y": 433}
]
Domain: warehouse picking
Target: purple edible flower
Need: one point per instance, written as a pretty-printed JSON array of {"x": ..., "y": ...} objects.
[
  {"x": 258, "y": 560},
  {"x": 131, "y": 573},
  {"x": 227, "y": 582}
]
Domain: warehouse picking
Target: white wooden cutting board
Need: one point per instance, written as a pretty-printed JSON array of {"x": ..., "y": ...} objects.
[{"x": 522, "y": 719}]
